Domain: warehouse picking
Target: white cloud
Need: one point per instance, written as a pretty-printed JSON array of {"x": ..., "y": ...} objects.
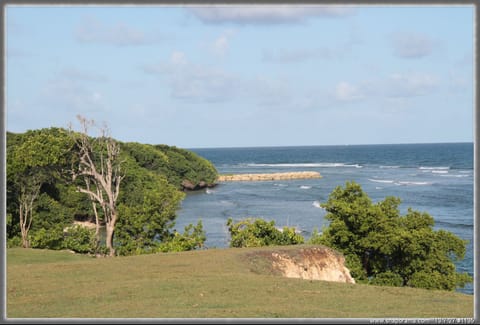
[
  {"x": 347, "y": 92},
  {"x": 412, "y": 45},
  {"x": 191, "y": 81},
  {"x": 91, "y": 30},
  {"x": 178, "y": 58},
  {"x": 268, "y": 14},
  {"x": 411, "y": 84},
  {"x": 68, "y": 94},
  {"x": 194, "y": 82},
  {"x": 337, "y": 51},
  {"x": 220, "y": 46}
]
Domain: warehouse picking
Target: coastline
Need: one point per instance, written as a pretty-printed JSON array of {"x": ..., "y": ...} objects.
[{"x": 268, "y": 176}]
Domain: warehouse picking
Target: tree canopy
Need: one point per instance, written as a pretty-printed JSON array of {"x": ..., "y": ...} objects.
[
  {"x": 149, "y": 197},
  {"x": 382, "y": 247}
]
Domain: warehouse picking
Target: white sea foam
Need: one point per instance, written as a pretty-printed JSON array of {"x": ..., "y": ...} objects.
[
  {"x": 412, "y": 183},
  {"x": 381, "y": 180},
  {"x": 280, "y": 185},
  {"x": 439, "y": 171},
  {"x": 306, "y": 165},
  {"x": 378, "y": 188},
  {"x": 463, "y": 175},
  {"x": 209, "y": 191},
  {"x": 435, "y": 168},
  {"x": 316, "y": 204},
  {"x": 305, "y": 187},
  {"x": 389, "y": 167}
]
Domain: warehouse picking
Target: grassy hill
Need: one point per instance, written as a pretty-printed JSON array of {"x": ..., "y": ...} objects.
[{"x": 215, "y": 283}]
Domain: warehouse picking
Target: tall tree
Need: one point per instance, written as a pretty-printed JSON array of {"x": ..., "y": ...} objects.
[
  {"x": 384, "y": 248},
  {"x": 100, "y": 166},
  {"x": 30, "y": 164}
]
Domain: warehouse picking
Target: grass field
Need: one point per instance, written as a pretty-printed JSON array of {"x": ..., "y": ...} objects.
[{"x": 215, "y": 283}]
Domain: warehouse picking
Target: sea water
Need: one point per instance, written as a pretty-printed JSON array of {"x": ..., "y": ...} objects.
[{"x": 433, "y": 178}]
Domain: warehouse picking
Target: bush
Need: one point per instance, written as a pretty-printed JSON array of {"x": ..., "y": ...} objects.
[
  {"x": 384, "y": 248},
  {"x": 14, "y": 242},
  {"x": 387, "y": 279},
  {"x": 80, "y": 239},
  {"x": 51, "y": 239},
  {"x": 192, "y": 238},
  {"x": 253, "y": 232}
]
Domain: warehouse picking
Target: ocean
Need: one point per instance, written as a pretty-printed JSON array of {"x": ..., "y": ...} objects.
[{"x": 434, "y": 178}]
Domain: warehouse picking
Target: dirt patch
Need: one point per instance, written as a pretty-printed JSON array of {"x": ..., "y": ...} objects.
[{"x": 310, "y": 263}]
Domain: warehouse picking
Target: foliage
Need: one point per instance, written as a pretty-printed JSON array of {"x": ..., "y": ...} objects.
[
  {"x": 145, "y": 223},
  {"x": 254, "y": 232},
  {"x": 80, "y": 239},
  {"x": 41, "y": 161},
  {"x": 192, "y": 238},
  {"x": 178, "y": 165},
  {"x": 51, "y": 238},
  {"x": 34, "y": 159},
  {"x": 383, "y": 247},
  {"x": 14, "y": 242}
]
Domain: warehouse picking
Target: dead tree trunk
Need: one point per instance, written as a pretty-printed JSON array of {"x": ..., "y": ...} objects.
[{"x": 99, "y": 164}]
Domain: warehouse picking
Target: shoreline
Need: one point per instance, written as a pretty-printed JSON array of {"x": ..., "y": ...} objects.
[{"x": 268, "y": 176}]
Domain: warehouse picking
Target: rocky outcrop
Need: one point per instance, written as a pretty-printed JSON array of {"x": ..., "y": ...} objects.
[
  {"x": 190, "y": 186},
  {"x": 268, "y": 177},
  {"x": 315, "y": 263}
]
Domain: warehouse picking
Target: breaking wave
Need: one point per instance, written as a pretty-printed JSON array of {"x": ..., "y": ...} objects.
[
  {"x": 316, "y": 204},
  {"x": 433, "y": 168},
  {"x": 307, "y": 165},
  {"x": 412, "y": 183},
  {"x": 381, "y": 180}
]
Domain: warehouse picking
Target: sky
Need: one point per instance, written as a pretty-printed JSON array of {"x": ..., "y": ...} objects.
[{"x": 244, "y": 76}]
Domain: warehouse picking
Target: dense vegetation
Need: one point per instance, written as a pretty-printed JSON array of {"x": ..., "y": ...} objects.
[
  {"x": 382, "y": 247},
  {"x": 256, "y": 232},
  {"x": 46, "y": 194},
  {"x": 43, "y": 199}
]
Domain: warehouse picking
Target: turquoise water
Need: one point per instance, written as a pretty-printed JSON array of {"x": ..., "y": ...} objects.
[{"x": 433, "y": 178}]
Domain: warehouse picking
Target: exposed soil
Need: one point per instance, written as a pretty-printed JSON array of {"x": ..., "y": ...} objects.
[{"x": 310, "y": 263}]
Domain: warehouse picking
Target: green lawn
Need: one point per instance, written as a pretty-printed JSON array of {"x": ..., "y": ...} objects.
[{"x": 215, "y": 283}]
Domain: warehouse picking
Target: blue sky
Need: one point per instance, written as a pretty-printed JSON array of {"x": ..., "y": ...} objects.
[{"x": 236, "y": 76}]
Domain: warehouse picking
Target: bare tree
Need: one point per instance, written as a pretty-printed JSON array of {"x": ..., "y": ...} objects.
[
  {"x": 99, "y": 165},
  {"x": 29, "y": 191}
]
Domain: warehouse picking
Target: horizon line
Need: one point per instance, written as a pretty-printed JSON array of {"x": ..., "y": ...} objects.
[{"x": 330, "y": 145}]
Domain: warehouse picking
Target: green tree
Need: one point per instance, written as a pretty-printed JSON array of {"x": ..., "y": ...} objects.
[
  {"x": 148, "y": 216},
  {"x": 384, "y": 248},
  {"x": 255, "y": 232},
  {"x": 35, "y": 160}
]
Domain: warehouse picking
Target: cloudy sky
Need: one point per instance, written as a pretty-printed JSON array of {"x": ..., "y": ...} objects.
[{"x": 235, "y": 76}]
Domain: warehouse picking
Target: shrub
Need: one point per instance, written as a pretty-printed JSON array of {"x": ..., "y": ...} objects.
[
  {"x": 255, "y": 232},
  {"x": 51, "y": 239},
  {"x": 192, "y": 238},
  {"x": 382, "y": 247},
  {"x": 80, "y": 239}
]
